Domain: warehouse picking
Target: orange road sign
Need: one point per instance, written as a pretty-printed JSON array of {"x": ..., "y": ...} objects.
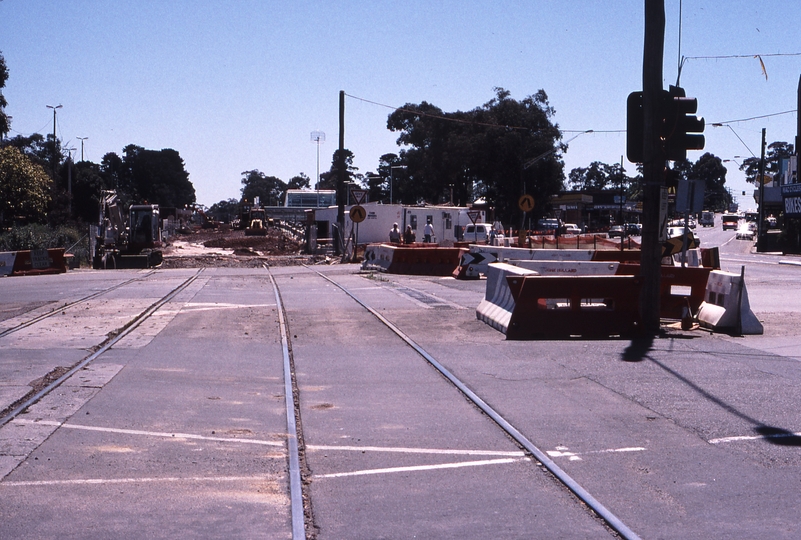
[{"x": 357, "y": 214}]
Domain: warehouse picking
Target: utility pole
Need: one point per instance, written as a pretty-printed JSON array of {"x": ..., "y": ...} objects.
[
  {"x": 653, "y": 165},
  {"x": 761, "y": 180},
  {"x": 341, "y": 177},
  {"x": 55, "y": 154}
]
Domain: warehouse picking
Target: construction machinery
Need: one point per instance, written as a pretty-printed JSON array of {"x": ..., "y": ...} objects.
[
  {"x": 256, "y": 221},
  {"x": 125, "y": 241}
]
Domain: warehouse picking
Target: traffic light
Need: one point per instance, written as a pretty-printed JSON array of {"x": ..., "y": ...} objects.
[
  {"x": 635, "y": 121},
  {"x": 683, "y": 130}
]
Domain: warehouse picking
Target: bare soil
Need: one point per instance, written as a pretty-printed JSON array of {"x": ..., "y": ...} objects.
[{"x": 224, "y": 247}]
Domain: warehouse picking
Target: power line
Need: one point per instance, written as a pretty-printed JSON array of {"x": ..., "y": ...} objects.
[
  {"x": 445, "y": 118},
  {"x": 754, "y": 117}
]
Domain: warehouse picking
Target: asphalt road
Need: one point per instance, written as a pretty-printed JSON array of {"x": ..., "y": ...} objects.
[{"x": 179, "y": 429}]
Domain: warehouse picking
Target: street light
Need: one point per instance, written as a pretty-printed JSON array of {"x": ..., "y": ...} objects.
[
  {"x": 392, "y": 178},
  {"x": 82, "y": 139},
  {"x": 318, "y": 137}
]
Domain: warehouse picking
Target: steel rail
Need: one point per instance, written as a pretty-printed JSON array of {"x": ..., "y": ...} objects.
[
  {"x": 295, "y": 485},
  {"x": 43, "y": 316},
  {"x": 127, "y": 329},
  {"x": 613, "y": 521}
]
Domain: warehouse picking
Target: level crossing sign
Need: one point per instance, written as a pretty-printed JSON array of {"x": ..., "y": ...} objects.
[{"x": 357, "y": 214}]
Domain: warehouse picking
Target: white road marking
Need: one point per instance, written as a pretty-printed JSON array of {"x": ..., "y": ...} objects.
[
  {"x": 165, "y": 435},
  {"x": 402, "y": 450},
  {"x": 95, "y": 481},
  {"x": 563, "y": 451},
  {"x": 424, "y": 467},
  {"x": 752, "y": 437}
]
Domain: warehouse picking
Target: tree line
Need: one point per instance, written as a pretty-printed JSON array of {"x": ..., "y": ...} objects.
[{"x": 495, "y": 152}]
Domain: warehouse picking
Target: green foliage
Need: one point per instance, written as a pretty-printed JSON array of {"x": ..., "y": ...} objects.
[
  {"x": 24, "y": 187},
  {"x": 710, "y": 171},
  {"x": 269, "y": 189},
  {"x": 5, "y": 122},
  {"x": 330, "y": 178},
  {"x": 496, "y": 151},
  {"x": 144, "y": 176},
  {"x": 301, "y": 181},
  {"x": 598, "y": 176},
  {"x": 224, "y": 211},
  {"x": 776, "y": 151},
  {"x": 37, "y": 236}
]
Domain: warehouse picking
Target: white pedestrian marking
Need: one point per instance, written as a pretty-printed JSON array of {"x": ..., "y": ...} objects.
[{"x": 423, "y": 467}]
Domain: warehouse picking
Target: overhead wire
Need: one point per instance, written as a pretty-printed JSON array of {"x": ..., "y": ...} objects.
[{"x": 445, "y": 118}]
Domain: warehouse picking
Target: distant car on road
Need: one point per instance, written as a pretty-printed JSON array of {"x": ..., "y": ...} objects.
[
  {"x": 744, "y": 232},
  {"x": 633, "y": 229},
  {"x": 730, "y": 221},
  {"x": 571, "y": 228},
  {"x": 707, "y": 219},
  {"x": 616, "y": 231},
  {"x": 677, "y": 232}
]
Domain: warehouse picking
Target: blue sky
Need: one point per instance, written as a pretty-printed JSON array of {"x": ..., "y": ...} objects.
[{"x": 240, "y": 84}]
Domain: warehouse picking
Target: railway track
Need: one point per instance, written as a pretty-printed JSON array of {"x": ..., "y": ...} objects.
[
  {"x": 21, "y": 405},
  {"x": 302, "y": 519},
  {"x": 540, "y": 458}
]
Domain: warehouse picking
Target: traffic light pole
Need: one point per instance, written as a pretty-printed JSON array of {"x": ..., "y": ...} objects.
[{"x": 653, "y": 164}]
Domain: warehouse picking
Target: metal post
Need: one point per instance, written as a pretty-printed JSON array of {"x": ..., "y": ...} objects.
[
  {"x": 761, "y": 180},
  {"x": 654, "y": 164},
  {"x": 82, "y": 139}
]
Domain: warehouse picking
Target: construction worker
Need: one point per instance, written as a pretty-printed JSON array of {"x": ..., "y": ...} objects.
[{"x": 394, "y": 234}]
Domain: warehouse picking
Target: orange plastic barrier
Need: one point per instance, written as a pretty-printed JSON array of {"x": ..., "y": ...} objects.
[
  {"x": 677, "y": 285},
  {"x": 415, "y": 259},
  {"x": 549, "y": 307},
  {"x": 425, "y": 261},
  {"x": 39, "y": 261}
]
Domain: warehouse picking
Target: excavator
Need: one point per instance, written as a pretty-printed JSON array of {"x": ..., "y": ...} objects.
[{"x": 125, "y": 241}]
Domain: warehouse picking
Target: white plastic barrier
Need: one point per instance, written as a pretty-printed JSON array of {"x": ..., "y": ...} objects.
[
  {"x": 569, "y": 268},
  {"x": 693, "y": 257},
  {"x": 498, "y": 304},
  {"x": 377, "y": 257},
  {"x": 480, "y": 256},
  {"x": 725, "y": 306},
  {"x": 7, "y": 259}
]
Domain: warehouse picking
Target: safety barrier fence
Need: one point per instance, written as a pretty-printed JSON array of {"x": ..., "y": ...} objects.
[
  {"x": 547, "y": 307},
  {"x": 33, "y": 262},
  {"x": 726, "y": 307},
  {"x": 416, "y": 259}
]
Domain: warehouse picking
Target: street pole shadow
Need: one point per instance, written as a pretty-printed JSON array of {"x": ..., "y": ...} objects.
[
  {"x": 778, "y": 436},
  {"x": 638, "y": 349}
]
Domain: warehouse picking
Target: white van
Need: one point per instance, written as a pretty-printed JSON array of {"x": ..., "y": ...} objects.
[{"x": 480, "y": 233}]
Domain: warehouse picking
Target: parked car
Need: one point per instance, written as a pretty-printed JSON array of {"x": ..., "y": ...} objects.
[
  {"x": 571, "y": 228},
  {"x": 633, "y": 229}
]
